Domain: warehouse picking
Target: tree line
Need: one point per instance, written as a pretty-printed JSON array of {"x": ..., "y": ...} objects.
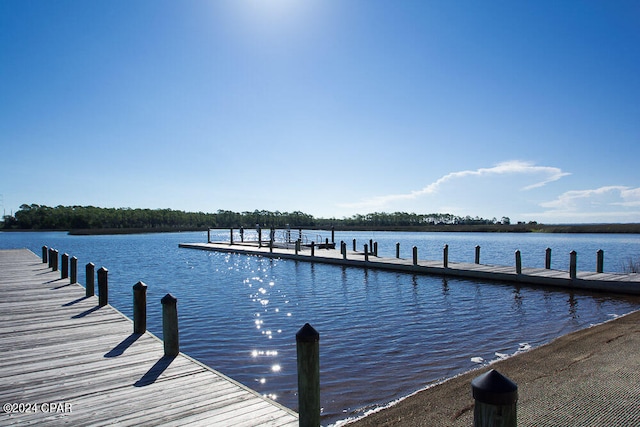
[{"x": 40, "y": 217}]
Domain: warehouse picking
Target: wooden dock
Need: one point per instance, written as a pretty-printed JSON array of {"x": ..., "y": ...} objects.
[
  {"x": 65, "y": 360},
  {"x": 602, "y": 282}
]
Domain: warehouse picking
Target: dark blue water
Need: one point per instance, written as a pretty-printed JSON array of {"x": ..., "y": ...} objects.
[{"x": 383, "y": 335}]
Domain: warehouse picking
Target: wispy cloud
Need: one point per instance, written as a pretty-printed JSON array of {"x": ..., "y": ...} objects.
[
  {"x": 540, "y": 175},
  {"x": 599, "y": 199}
]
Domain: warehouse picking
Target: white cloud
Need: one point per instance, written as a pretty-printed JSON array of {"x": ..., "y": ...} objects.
[
  {"x": 540, "y": 175},
  {"x": 599, "y": 204}
]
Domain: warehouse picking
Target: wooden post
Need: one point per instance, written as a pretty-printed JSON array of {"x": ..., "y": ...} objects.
[
  {"x": 313, "y": 249},
  {"x": 297, "y": 246},
  {"x": 103, "y": 287},
  {"x": 496, "y": 398},
  {"x": 518, "y": 262},
  {"x": 354, "y": 245},
  {"x": 600, "y": 261},
  {"x": 74, "y": 270},
  {"x": 231, "y": 236},
  {"x": 445, "y": 256},
  {"x": 241, "y": 234},
  {"x": 64, "y": 272},
  {"x": 170, "y": 325},
  {"x": 45, "y": 251},
  {"x": 415, "y": 255},
  {"x": 139, "y": 308},
  {"x": 477, "y": 254},
  {"x": 375, "y": 248},
  {"x": 344, "y": 250},
  {"x": 90, "y": 280},
  {"x": 300, "y": 234},
  {"x": 397, "y": 249},
  {"x": 259, "y": 236},
  {"x": 50, "y": 260},
  {"x": 547, "y": 259},
  {"x": 326, "y": 243},
  {"x": 54, "y": 261},
  {"x": 573, "y": 265},
  {"x": 371, "y": 245},
  {"x": 333, "y": 234},
  {"x": 308, "y": 361},
  {"x": 366, "y": 252},
  {"x": 208, "y": 235}
]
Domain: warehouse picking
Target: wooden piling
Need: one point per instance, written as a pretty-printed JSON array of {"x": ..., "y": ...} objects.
[
  {"x": 103, "y": 287},
  {"x": 354, "y": 245},
  {"x": 397, "y": 249},
  {"x": 64, "y": 271},
  {"x": 170, "y": 325},
  {"x": 333, "y": 234},
  {"x": 415, "y": 255},
  {"x": 90, "y": 280},
  {"x": 477, "y": 254},
  {"x": 231, "y": 236},
  {"x": 139, "y": 308},
  {"x": 600, "y": 261},
  {"x": 573, "y": 263},
  {"x": 308, "y": 362},
  {"x": 518, "y": 262},
  {"x": 54, "y": 259},
  {"x": 74, "y": 270},
  {"x": 50, "y": 258},
  {"x": 343, "y": 245},
  {"x": 313, "y": 249},
  {"x": 496, "y": 398},
  {"x": 45, "y": 252},
  {"x": 366, "y": 252},
  {"x": 445, "y": 256},
  {"x": 547, "y": 259}
]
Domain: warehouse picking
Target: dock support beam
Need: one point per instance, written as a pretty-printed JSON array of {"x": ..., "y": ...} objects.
[
  {"x": 139, "y": 308},
  {"x": 600, "y": 261},
  {"x": 547, "y": 259},
  {"x": 74, "y": 270},
  {"x": 103, "y": 287},
  {"x": 496, "y": 398},
  {"x": 170, "y": 325},
  {"x": 445, "y": 256},
  {"x": 64, "y": 272},
  {"x": 573, "y": 263},
  {"x": 90, "y": 280},
  {"x": 308, "y": 358}
]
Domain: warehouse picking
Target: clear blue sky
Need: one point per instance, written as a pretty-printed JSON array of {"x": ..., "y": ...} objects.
[{"x": 527, "y": 109}]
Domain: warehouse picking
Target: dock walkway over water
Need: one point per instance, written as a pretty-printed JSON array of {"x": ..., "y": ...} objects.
[
  {"x": 66, "y": 360},
  {"x": 606, "y": 282}
]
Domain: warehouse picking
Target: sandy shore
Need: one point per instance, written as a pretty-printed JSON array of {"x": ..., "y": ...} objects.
[{"x": 587, "y": 378}]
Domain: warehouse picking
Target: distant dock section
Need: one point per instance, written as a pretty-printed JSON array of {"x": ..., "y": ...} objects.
[{"x": 327, "y": 253}]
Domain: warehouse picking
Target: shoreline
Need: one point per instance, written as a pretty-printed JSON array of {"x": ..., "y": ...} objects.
[{"x": 585, "y": 378}]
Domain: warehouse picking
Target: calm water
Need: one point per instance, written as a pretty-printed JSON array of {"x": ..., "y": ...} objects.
[{"x": 383, "y": 335}]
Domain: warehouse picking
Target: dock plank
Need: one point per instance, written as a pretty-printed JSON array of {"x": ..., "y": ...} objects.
[{"x": 58, "y": 346}]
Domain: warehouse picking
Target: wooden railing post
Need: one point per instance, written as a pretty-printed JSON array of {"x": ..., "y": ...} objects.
[
  {"x": 496, "y": 399},
  {"x": 477, "y": 254},
  {"x": 64, "y": 272},
  {"x": 343, "y": 245},
  {"x": 74, "y": 270},
  {"x": 90, "y": 280},
  {"x": 547, "y": 259},
  {"x": 366, "y": 252},
  {"x": 103, "y": 287},
  {"x": 375, "y": 248},
  {"x": 297, "y": 246},
  {"x": 139, "y": 308},
  {"x": 397, "y": 249},
  {"x": 54, "y": 260},
  {"x": 50, "y": 258},
  {"x": 313, "y": 249},
  {"x": 600, "y": 261},
  {"x": 445, "y": 256},
  {"x": 518, "y": 262},
  {"x": 415, "y": 255},
  {"x": 354, "y": 245},
  {"x": 308, "y": 358},
  {"x": 170, "y": 325},
  {"x": 573, "y": 264},
  {"x": 45, "y": 252}
]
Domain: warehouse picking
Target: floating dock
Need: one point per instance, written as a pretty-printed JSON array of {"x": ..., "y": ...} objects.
[
  {"x": 602, "y": 282},
  {"x": 66, "y": 360}
]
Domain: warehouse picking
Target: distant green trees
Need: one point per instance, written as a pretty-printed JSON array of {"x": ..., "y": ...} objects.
[{"x": 40, "y": 217}]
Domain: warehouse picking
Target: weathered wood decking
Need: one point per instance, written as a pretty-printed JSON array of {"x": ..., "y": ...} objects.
[
  {"x": 605, "y": 282},
  {"x": 67, "y": 361}
]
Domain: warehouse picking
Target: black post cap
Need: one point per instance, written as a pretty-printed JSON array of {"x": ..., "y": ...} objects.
[{"x": 493, "y": 388}]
